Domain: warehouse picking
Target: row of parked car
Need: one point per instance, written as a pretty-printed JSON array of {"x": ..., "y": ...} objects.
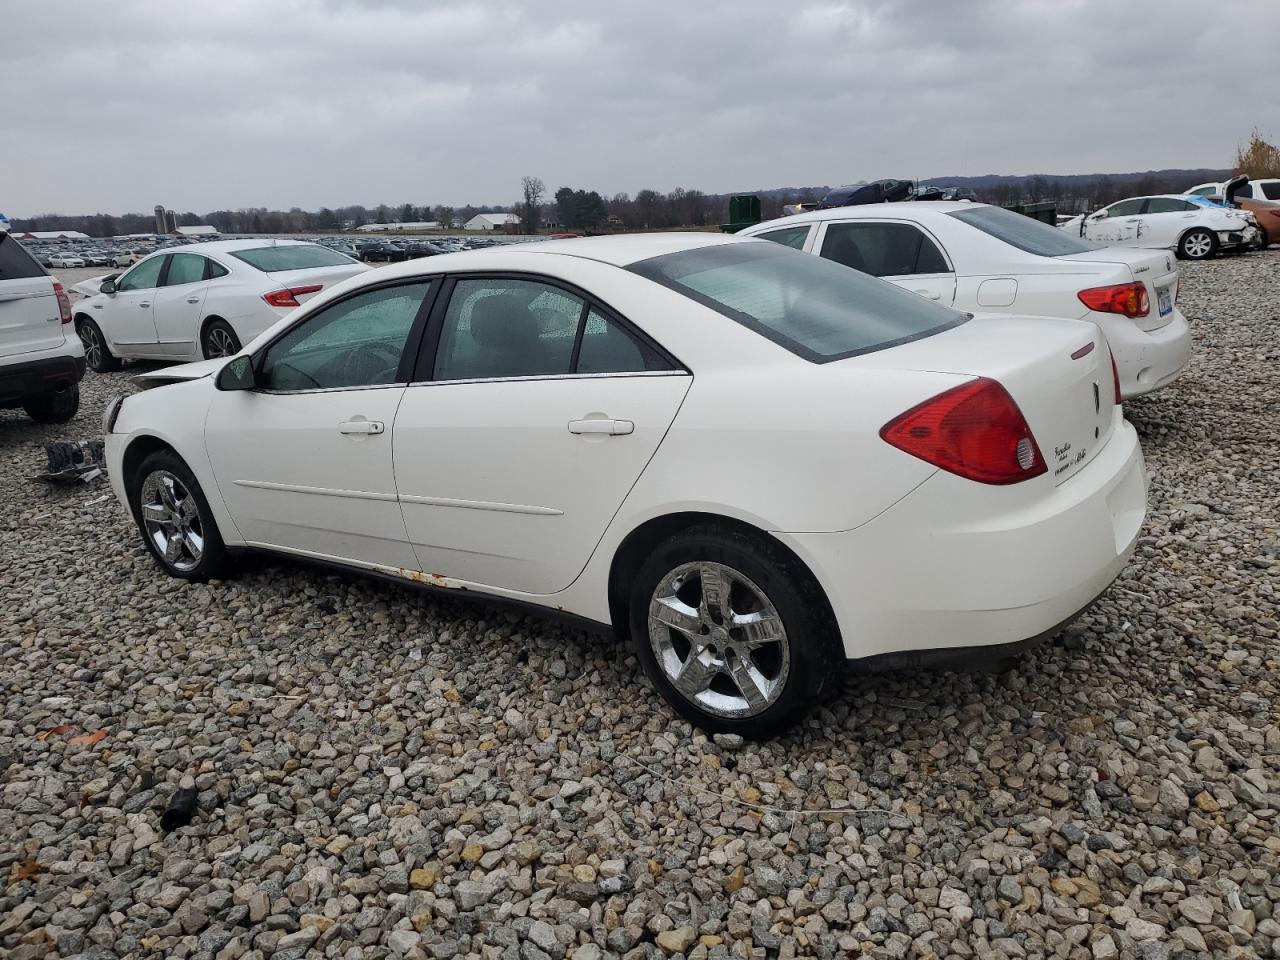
[{"x": 959, "y": 371}]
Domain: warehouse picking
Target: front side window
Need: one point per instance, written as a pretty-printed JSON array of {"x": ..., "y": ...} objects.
[
  {"x": 809, "y": 305},
  {"x": 497, "y": 327},
  {"x": 1125, "y": 208},
  {"x": 184, "y": 268},
  {"x": 357, "y": 342},
  {"x": 1022, "y": 232},
  {"x": 883, "y": 249},
  {"x": 793, "y": 237},
  {"x": 292, "y": 256},
  {"x": 144, "y": 276}
]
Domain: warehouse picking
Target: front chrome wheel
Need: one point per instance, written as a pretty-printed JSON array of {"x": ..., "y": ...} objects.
[
  {"x": 171, "y": 518},
  {"x": 719, "y": 640},
  {"x": 92, "y": 346}
]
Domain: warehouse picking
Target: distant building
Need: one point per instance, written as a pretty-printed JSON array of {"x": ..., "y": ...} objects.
[
  {"x": 199, "y": 230},
  {"x": 399, "y": 227},
  {"x": 52, "y": 235},
  {"x": 491, "y": 221}
]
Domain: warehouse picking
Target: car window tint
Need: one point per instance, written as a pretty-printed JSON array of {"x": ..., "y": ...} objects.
[
  {"x": 142, "y": 277},
  {"x": 292, "y": 256},
  {"x": 1126, "y": 208},
  {"x": 214, "y": 270},
  {"x": 1204, "y": 191},
  {"x": 15, "y": 262},
  {"x": 1246, "y": 191},
  {"x": 882, "y": 249},
  {"x": 806, "y": 304},
  {"x": 1166, "y": 205},
  {"x": 507, "y": 328},
  {"x": 1270, "y": 190},
  {"x": 608, "y": 347},
  {"x": 793, "y": 237},
  {"x": 184, "y": 268},
  {"x": 357, "y": 342}
]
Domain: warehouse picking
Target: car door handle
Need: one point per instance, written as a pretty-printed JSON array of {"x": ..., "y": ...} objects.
[
  {"x": 361, "y": 426},
  {"x": 613, "y": 428},
  {"x": 193, "y": 299},
  {"x": 145, "y": 303},
  {"x": 927, "y": 293}
]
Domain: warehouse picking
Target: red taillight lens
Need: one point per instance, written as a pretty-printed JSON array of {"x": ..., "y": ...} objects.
[
  {"x": 974, "y": 430},
  {"x": 289, "y": 296},
  {"x": 1127, "y": 298},
  {"x": 64, "y": 302},
  {"x": 1115, "y": 376}
]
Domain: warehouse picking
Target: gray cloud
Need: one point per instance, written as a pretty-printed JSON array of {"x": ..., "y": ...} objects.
[{"x": 235, "y": 103}]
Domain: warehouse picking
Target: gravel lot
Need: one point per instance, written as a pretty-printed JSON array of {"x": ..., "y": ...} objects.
[{"x": 384, "y": 773}]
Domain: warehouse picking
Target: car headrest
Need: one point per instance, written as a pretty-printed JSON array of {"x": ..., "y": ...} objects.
[{"x": 503, "y": 322}]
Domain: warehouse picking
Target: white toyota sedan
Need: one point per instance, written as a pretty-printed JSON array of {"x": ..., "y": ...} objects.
[
  {"x": 752, "y": 462},
  {"x": 985, "y": 259},
  {"x": 202, "y": 300},
  {"x": 1191, "y": 226}
]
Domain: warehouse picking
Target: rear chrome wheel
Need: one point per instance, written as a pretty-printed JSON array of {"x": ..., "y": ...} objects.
[
  {"x": 719, "y": 640},
  {"x": 172, "y": 521}
]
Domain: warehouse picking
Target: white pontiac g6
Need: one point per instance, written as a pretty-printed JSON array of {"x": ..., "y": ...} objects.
[{"x": 752, "y": 463}]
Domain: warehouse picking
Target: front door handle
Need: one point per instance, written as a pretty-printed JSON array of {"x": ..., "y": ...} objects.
[
  {"x": 612, "y": 428},
  {"x": 193, "y": 299},
  {"x": 145, "y": 303},
  {"x": 362, "y": 426}
]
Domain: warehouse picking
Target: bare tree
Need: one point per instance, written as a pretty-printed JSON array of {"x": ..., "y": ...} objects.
[
  {"x": 531, "y": 204},
  {"x": 1258, "y": 158}
]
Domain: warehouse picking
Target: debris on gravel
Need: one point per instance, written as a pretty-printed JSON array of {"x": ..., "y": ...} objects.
[{"x": 385, "y": 773}]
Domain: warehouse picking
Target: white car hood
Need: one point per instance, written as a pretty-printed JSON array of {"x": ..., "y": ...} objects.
[{"x": 185, "y": 371}]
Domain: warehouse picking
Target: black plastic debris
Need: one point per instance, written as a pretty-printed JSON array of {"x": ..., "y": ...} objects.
[
  {"x": 182, "y": 806},
  {"x": 73, "y": 461}
]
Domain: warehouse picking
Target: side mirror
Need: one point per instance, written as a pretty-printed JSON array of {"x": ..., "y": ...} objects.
[
  {"x": 108, "y": 287},
  {"x": 237, "y": 375}
]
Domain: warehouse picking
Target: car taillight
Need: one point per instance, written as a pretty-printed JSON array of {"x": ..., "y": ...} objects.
[
  {"x": 64, "y": 302},
  {"x": 1127, "y": 298},
  {"x": 288, "y": 297},
  {"x": 1115, "y": 375},
  {"x": 974, "y": 430}
]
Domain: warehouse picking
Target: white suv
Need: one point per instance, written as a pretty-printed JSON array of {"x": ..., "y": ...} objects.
[{"x": 41, "y": 358}]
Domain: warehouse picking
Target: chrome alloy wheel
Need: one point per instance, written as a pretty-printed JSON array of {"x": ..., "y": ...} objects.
[
  {"x": 1198, "y": 246},
  {"x": 219, "y": 343},
  {"x": 171, "y": 517},
  {"x": 719, "y": 640},
  {"x": 92, "y": 346}
]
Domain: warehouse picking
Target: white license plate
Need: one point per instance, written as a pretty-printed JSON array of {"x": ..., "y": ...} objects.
[{"x": 1164, "y": 298}]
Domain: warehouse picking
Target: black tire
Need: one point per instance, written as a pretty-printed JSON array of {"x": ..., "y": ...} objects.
[
  {"x": 811, "y": 638},
  {"x": 1192, "y": 246},
  {"x": 212, "y": 559},
  {"x": 97, "y": 355},
  {"x": 54, "y": 407},
  {"x": 218, "y": 340}
]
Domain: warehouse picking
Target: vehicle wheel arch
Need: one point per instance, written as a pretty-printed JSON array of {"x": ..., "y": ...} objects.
[
  {"x": 139, "y": 448},
  {"x": 639, "y": 543}
]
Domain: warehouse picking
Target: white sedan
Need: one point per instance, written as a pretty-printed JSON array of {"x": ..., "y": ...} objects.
[
  {"x": 984, "y": 259},
  {"x": 752, "y": 462},
  {"x": 202, "y": 300},
  {"x": 1192, "y": 227}
]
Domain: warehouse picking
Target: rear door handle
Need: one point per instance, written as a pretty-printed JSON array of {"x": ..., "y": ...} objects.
[
  {"x": 193, "y": 299},
  {"x": 928, "y": 293},
  {"x": 612, "y": 428},
  {"x": 145, "y": 303},
  {"x": 361, "y": 426}
]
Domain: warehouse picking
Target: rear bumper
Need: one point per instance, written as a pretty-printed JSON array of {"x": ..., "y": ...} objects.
[
  {"x": 33, "y": 378},
  {"x": 957, "y": 565},
  {"x": 1146, "y": 360}
]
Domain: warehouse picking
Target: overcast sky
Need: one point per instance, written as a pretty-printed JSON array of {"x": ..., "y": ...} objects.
[{"x": 117, "y": 106}]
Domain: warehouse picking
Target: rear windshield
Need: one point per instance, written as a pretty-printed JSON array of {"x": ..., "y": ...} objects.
[
  {"x": 291, "y": 257},
  {"x": 1024, "y": 233},
  {"x": 15, "y": 262},
  {"x": 817, "y": 309}
]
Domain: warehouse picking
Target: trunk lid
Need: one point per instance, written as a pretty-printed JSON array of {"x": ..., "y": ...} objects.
[
  {"x": 1058, "y": 372},
  {"x": 1157, "y": 270}
]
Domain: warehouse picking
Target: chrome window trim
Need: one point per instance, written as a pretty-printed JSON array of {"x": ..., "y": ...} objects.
[{"x": 554, "y": 376}]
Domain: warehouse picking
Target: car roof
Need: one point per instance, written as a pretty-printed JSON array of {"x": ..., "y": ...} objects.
[
  {"x": 622, "y": 250},
  {"x": 913, "y": 209},
  {"x": 229, "y": 246}
]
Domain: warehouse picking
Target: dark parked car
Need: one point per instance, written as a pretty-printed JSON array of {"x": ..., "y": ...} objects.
[
  {"x": 877, "y": 191},
  {"x": 382, "y": 251}
]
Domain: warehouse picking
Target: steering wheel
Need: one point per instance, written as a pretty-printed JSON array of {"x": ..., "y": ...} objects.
[{"x": 370, "y": 363}]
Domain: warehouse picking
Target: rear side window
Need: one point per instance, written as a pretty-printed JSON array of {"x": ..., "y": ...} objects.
[
  {"x": 811, "y": 306},
  {"x": 608, "y": 347},
  {"x": 1023, "y": 232},
  {"x": 793, "y": 237},
  {"x": 1270, "y": 190},
  {"x": 15, "y": 262},
  {"x": 1167, "y": 205},
  {"x": 214, "y": 270},
  {"x": 883, "y": 249},
  {"x": 300, "y": 256},
  {"x": 184, "y": 268}
]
